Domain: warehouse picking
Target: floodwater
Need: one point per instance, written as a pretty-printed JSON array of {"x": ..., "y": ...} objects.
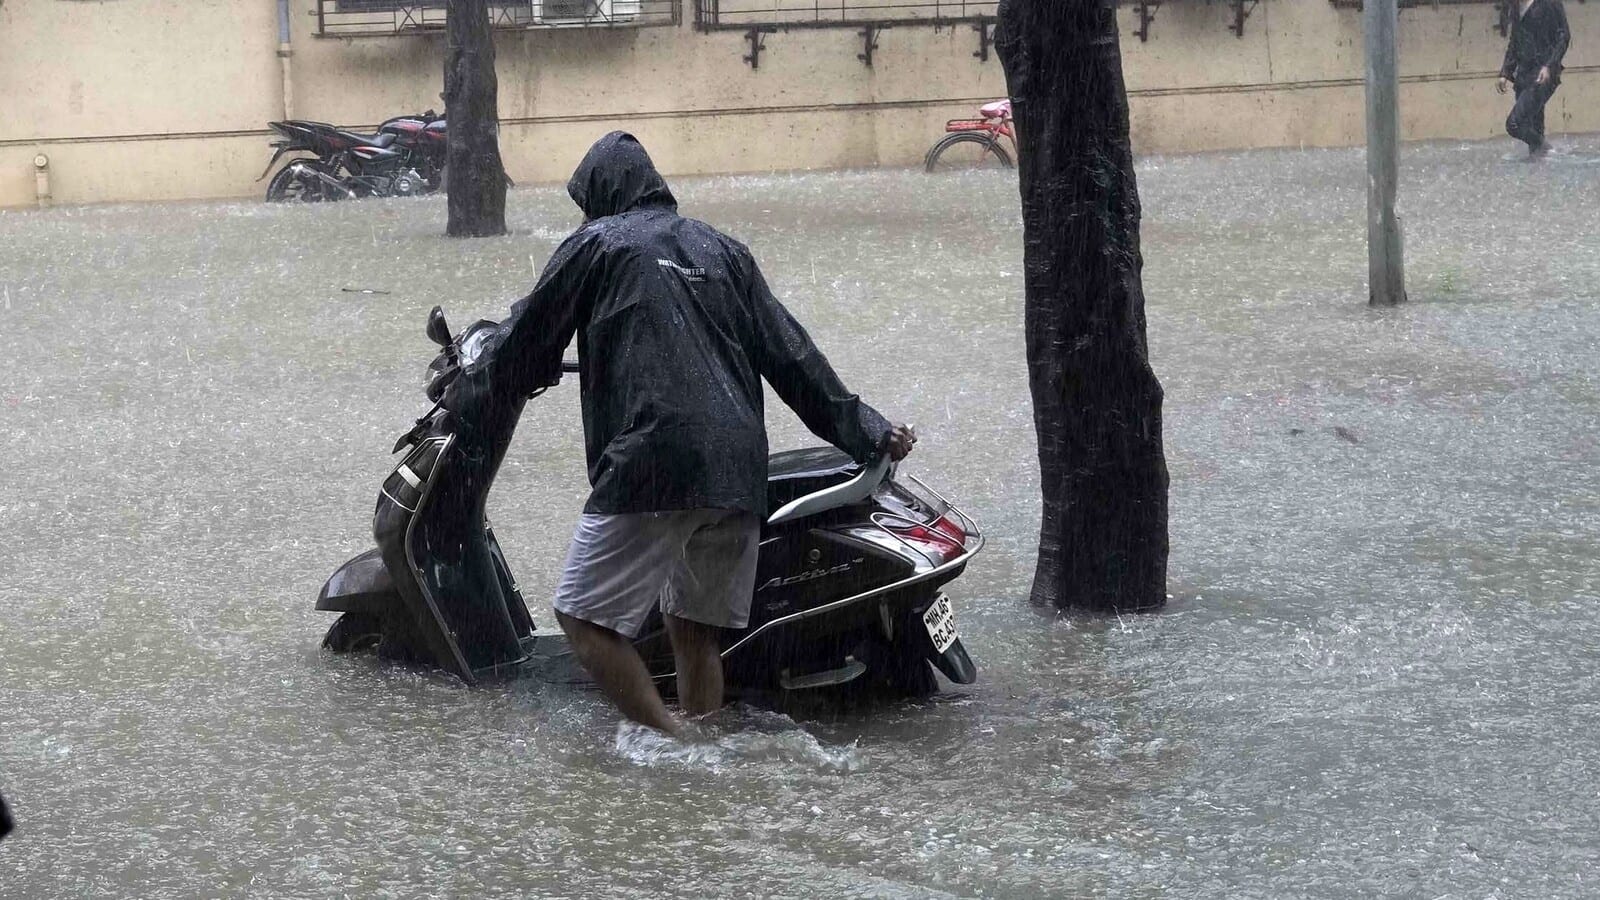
[{"x": 1376, "y": 676}]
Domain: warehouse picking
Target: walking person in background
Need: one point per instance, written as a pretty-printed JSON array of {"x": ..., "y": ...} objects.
[{"x": 1539, "y": 39}]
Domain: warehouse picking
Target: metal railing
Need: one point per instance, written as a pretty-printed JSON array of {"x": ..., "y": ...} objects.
[
  {"x": 376, "y": 18},
  {"x": 1502, "y": 8},
  {"x": 767, "y": 16},
  {"x": 1408, "y": 4},
  {"x": 742, "y": 15}
]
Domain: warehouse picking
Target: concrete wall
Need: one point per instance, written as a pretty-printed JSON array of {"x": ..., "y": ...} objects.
[{"x": 163, "y": 99}]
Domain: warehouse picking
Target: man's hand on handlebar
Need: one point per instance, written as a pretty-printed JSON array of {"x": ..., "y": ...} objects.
[{"x": 901, "y": 439}]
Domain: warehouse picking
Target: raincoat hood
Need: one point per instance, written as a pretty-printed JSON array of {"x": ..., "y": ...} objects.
[{"x": 617, "y": 176}]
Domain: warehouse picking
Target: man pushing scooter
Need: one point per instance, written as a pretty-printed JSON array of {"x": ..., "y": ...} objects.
[{"x": 676, "y": 328}]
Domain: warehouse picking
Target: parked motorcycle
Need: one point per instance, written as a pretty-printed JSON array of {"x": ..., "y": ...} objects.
[
  {"x": 424, "y": 136},
  {"x": 406, "y": 157},
  {"x": 849, "y": 585}
]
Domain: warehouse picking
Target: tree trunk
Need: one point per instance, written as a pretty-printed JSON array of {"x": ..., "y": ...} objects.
[
  {"x": 477, "y": 179},
  {"x": 1096, "y": 401}
]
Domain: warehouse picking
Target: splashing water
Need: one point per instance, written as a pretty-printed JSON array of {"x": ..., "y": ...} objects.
[
  {"x": 740, "y": 737},
  {"x": 1376, "y": 676}
]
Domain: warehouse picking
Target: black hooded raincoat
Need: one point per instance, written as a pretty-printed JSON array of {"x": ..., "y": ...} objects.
[{"x": 676, "y": 328}]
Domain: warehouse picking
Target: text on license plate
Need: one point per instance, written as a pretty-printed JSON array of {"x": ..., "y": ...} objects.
[{"x": 941, "y": 622}]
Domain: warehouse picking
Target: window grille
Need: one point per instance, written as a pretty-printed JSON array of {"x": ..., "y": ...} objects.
[
  {"x": 742, "y": 14},
  {"x": 357, "y": 18}
]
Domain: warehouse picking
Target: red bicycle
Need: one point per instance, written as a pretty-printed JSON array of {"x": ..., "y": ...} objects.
[{"x": 975, "y": 143}]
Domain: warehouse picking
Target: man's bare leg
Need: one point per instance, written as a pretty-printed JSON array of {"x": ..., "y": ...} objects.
[
  {"x": 610, "y": 659},
  {"x": 698, "y": 651}
]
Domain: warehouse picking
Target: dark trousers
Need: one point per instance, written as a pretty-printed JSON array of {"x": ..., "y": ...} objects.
[{"x": 1526, "y": 122}]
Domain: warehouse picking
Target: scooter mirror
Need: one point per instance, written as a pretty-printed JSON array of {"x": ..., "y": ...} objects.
[{"x": 438, "y": 331}]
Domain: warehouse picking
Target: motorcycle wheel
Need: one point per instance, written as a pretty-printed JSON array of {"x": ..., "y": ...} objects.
[
  {"x": 291, "y": 185},
  {"x": 354, "y": 631}
]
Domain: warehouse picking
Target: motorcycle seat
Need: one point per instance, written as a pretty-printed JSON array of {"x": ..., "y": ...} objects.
[
  {"x": 372, "y": 140},
  {"x": 796, "y": 473}
]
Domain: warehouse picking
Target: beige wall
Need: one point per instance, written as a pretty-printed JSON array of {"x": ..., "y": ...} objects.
[{"x": 160, "y": 99}]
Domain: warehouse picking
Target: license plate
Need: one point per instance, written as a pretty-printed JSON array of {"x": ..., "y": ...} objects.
[{"x": 940, "y": 620}]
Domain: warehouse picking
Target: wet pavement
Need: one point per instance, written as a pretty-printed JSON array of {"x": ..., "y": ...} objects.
[{"x": 1376, "y": 676}]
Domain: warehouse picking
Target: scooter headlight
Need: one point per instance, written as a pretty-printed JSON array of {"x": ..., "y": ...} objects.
[{"x": 473, "y": 344}]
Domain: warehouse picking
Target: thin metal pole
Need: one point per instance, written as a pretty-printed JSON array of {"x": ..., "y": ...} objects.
[{"x": 1385, "y": 257}]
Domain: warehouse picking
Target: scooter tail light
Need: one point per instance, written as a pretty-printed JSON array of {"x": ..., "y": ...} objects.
[
  {"x": 949, "y": 528},
  {"x": 938, "y": 552},
  {"x": 936, "y": 542}
]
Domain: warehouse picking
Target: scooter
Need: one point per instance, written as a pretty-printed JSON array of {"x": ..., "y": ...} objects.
[{"x": 853, "y": 560}]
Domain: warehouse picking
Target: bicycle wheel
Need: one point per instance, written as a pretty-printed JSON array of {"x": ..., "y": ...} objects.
[{"x": 962, "y": 150}]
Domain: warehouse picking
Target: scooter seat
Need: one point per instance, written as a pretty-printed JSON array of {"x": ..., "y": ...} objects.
[{"x": 796, "y": 473}]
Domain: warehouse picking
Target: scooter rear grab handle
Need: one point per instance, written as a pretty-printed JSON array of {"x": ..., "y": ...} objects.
[{"x": 843, "y": 494}]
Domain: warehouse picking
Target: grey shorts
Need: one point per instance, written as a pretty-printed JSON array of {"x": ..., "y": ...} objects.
[{"x": 699, "y": 564}]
